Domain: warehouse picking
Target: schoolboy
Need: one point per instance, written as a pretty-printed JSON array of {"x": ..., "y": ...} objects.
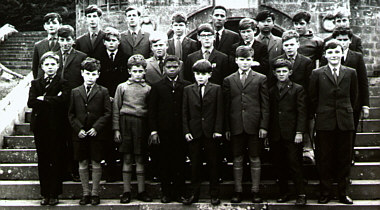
[
  {"x": 89, "y": 113},
  {"x": 180, "y": 45},
  {"x": 91, "y": 42},
  {"x": 52, "y": 21},
  {"x": 247, "y": 30},
  {"x": 155, "y": 64},
  {"x": 165, "y": 122},
  {"x": 288, "y": 120},
  {"x": 47, "y": 97},
  {"x": 333, "y": 91},
  {"x": 130, "y": 110},
  {"x": 202, "y": 119},
  {"x": 265, "y": 24},
  {"x": 247, "y": 117},
  {"x": 218, "y": 60}
]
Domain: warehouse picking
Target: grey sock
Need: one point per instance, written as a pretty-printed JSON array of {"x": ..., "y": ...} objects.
[
  {"x": 96, "y": 176},
  {"x": 127, "y": 177},
  {"x": 84, "y": 178}
]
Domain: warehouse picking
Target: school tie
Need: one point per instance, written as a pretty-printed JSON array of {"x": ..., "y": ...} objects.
[
  {"x": 93, "y": 38},
  {"x": 134, "y": 37},
  {"x": 52, "y": 42},
  {"x": 292, "y": 59},
  {"x": 88, "y": 90},
  {"x": 243, "y": 78},
  {"x": 48, "y": 82},
  {"x": 161, "y": 65},
  {"x": 206, "y": 54},
  {"x": 200, "y": 94},
  {"x": 265, "y": 40},
  {"x": 217, "y": 40},
  {"x": 178, "y": 48},
  {"x": 112, "y": 56},
  {"x": 335, "y": 75}
]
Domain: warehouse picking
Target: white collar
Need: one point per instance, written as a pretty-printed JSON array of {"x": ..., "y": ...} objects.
[
  {"x": 68, "y": 53},
  {"x": 114, "y": 53},
  {"x": 210, "y": 50},
  {"x": 246, "y": 72},
  {"x": 175, "y": 37},
  {"x": 46, "y": 76},
  {"x": 171, "y": 80},
  {"x": 251, "y": 43},
  {"x": 136, "y": 31},
  {"x": 337, "y": 69},
  {"x": 220, "y": 31}
]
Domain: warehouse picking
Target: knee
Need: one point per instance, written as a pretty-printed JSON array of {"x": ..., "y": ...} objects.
[
  {"x": 255, "y": 161},
  {"x": 83, "y": 164},
  {"x": 95, "y": 164}
]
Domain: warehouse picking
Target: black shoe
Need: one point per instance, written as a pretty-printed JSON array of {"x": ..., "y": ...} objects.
[
  {"x": 283, "y": 198},
  {"x": 44, "y": 201},
  {"x": 237, "y": 198},
  {"x": 301, "y": 200},
  {"x": 324, "y": 199},
  {"x": 86, "y": 199},
  {"x": 95, "y": 200},
  {"x": 53, "y": 201},
  {"x": 192, "y": 199},
  {"x": 256, "y": 198},
  {"x": 125, "y": 197},
  {"x": 180, "y": 199},
  {"x": 345, "y": 199},
  {"x": 165, "y": 199},
  {"x": 143, "y": 196},
  {"x": 75, "y": 178},
  {"x": 215, "y": 201}
]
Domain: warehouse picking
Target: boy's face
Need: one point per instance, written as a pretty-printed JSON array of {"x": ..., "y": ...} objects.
[
  {"x": 66, "y": 43},
  {"x": 50, "y": 66},
  {"x": 112, "y": 43},
  {"x": 219, "y": 18},
  {"x": 171, "y": 69},
  {"x": 290, "y": 47},
  {"x": 52, "y": 26},
  {"x": 93, "y": 20},
  {"x": 90, "y": 77},
  {"x": 344, "y": 41},
  {"x": 202, "y": 77},
  {"x": 179, "y": 28},
  {"x": 244, "y": 63},
  {"x": 132, "y": 18},
  {"x": 342, "y": 22},
  {"x": 137, "y": 73},
  {"x": 266, "y": 25},
  {"x": 334, "y": 56},
  {"x": 159, "y": 48},
  {"x": 282, "y": 74},
  {"x": 247, "y": 34},
  {"x": 206, "y": 38},
  {"x": 301, "y": 26}
]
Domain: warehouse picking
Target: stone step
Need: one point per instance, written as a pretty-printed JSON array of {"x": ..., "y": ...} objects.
[
  {"x": 367, "y": 139},
  {"x": 22, "y": 59},
  {"x": 19, "y": 142},
  {"x": 374, "y": 90},
  {"x": 17, "y": 63},
  {"x": 359, "y": 189},
  {"x": 19, "y": 67},
  {"x": 367, "y": 154},
  {"x": 369, "y": 125},
  {"x": 5, "y": 55},
  {"x": 374, "y": 101},
  {"x": 203, "y": 204},
  {"x": 17, "y": 47},
  {"x": 18, "y": 155},
  {"x": 374, "y": 112}
]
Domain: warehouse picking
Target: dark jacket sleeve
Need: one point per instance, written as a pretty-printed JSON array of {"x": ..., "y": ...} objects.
[
  {"x": 185, "y": 112},
  {"x": 105, "y": 118},
  {"x": 313, "y": 92},
  {"x": 264, "y": 104},
  {"x": 219, "y": 111},
  {"x": 301, "y": 110},
  {"x": 362, "y": 82},
  {"x": 74, "y": 122},
  {"x": 59, "y": 99},
  {"x": 35, "y": 62},
  {"x": 354, "y": 89},
  {"x": 227, "y": 103},
  {"x": 33, "y": 102},
  {"x": 152, "y": 108}
]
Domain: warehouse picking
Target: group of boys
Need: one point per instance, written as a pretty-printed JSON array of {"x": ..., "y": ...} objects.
[{"x": 133, "y": 91}]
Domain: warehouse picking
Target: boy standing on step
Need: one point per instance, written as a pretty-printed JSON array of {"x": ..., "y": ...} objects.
[{"x": 89, "y": 113}]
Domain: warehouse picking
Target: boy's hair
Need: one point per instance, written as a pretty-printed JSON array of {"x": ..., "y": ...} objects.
[
  {"x": 172, "y": 58},
  {"x": 341, "y": 12},
  {"x": 93, "y": 8},
  {"x": 136, "y": 60},
  {"x": 51, "y": 16},
  {"x": 247, "y": 23},
  {"x": 90, "y": 64},
  {"x": 132, "y": 8},
  {"x": 281, "y": 62},
  {"x": 202, "y": 66},
  {"x": 290, "y": 34},
  {"x": 263, "y": 15},
  {"x": 244, "y": 51},
  {"x": 205, "y": 27},
  {"x": 179, "y": 18},
  {"x": 66, "y": 31},
  {"x": 332, "y": 44},
  {"x": 342, "y": 31},
  {"x": 301, "y": 16},
  {"x": 219, "y": 7},
  {"x": 110, "y": 31},
  {"x": 157, "y": 36},
  {"x": 49, "y": 54}
]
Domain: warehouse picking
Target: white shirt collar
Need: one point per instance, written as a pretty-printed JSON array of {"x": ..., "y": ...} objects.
[
  {"x": 69, "y": 52},
  {"x": 175, "y": 37},
  {"x": 114, "y": 53},
  {"x": 337, "y": 69},
  {"x": 220, "y": 32},
  {"x": 171, "y": 80},
  {"x": 136, "y": 31},
  {"x": 246, "y": 72},
  {"x": 210, "y": 50},
  {"x": 251, "y": 43},
  {"x": 345, "y": 54},
  {"x": 46, "y": 76}
]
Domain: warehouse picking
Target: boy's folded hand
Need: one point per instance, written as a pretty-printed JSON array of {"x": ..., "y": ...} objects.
[
  {"x": 60, "y": 93},
  {"x": 41, "y": 98},
  {"x": 216, "y": 135},
  {"x": 262, "y": 133},
  {"x": 117, "y": 137},
  {"x": 92, "y": 132},
  {"x": 298, "y": 138},
  {"x": 154, "y": 139},
  {"x": 228, "y": 135},
  {"x": 82, "y": 134},
  {"x": 188, "y": 137}
]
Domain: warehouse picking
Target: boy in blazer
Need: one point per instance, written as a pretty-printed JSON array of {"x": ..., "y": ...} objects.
[
  {"x": 202, "y": 116},
  {"x": 180, "y": 45},
  {"x": 134, "y": 40},
  {"x": 52, "y": 21},
  {"x": 218, "y": 60},
  {"x": 165, "y": 122},
  {"x": 91, "y": 42},
  {"x": 48, "y": 96},
  {"x": 333, "y": 91},
  {"x": 247, "y": 117},
  {"x": 89, "y": 113},
  {"x": 288, "y": 119}
]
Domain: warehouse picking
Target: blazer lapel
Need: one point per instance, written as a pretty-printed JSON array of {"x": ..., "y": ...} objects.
[
  {"x": 342, "y": 71},
  {"x": 185, "y": 43},
  {"x": 329, "y": 74},
  {"x": 236, "y": 77},
  {"x": 349, "y": 57},
  {"x": 139, "y": 37},
  {"x": 196, "y": 92},
  {"x": 286, "y": 89},
  {"x": 297, "y": 62},
  {"x": 222, "y": 39},
  {"x": 171, "y": 47},
  {"x": 94, "y": 90},
  {"x": 249, "y": 79},
  {"x": 155, "y": 65},
  {"x": 82, "y": 92},
  {"x": 98, "y": 38},
  {"x": 207, "y": 89},
  {"x": 129, "y": 39},
  {"x": 212, "y": 55},
  {"x": 88, "y": 41},
  {"x": 70, "y": 58},
  {"x": 45, "y": 45},
  {"x": 271, "y": 43}
]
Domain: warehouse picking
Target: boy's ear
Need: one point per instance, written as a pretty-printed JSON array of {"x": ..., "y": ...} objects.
[{"x": 290, "y": 72}]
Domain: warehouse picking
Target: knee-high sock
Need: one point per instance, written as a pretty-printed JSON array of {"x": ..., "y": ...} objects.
[
  {"x": 127, "y": 177},
  {"x": 238, "y": 173},
  {"x": 255, "y": 173},
  {"x": 140, "y": 177},
  {"x": 84, "y": 178},
  {"x": 96, "y": 176}
]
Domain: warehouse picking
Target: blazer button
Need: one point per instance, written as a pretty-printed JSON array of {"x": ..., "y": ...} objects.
[
  {"x": 88, "y": 112},
  {"x": 85, "y": 105},
  {"x": 203, "y": 118}
]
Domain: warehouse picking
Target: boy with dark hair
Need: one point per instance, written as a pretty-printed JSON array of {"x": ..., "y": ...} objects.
[
  {"x": 180, "y": 45},
  {"x": 247, "y": 117},
  {"x": 288, "y": 119},
  {"x": 165, "y": 120},
  {"x": 130, "y": 110},
  {"x": 202, "y": 116},
  {"x": 265, "y": 21},
  {"x": 52, "y": 22},
  {"x": 91, "y": 43},
  {"x": 89, "y": 113},
  {"x": 247, "y": 30},
  {"x": 333, "y": 91}
]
